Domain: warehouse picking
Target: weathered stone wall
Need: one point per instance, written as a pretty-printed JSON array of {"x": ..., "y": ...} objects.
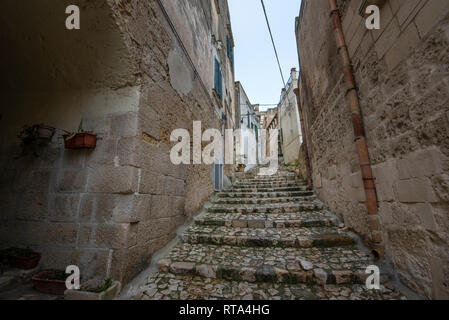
[
  {"x": 109, "y": 209},
  {"x": 290, "y": 124},
  {"x": 401, "y": 72}
]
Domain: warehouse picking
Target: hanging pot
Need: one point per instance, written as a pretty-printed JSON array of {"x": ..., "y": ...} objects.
[
  {"x": 45, "y": 132},
  {"x": 82, "y": 140}
]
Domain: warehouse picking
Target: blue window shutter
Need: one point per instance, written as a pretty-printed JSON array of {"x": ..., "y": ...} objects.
[
  {"x": 216, "y": 74},
  {"x": 218, "y": 79},
  {"x": 220, "y": 83},
  {"x": 230, "y": 52}
]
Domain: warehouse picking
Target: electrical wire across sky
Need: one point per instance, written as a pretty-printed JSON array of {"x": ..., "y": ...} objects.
[{"x": 272, "y": 40}]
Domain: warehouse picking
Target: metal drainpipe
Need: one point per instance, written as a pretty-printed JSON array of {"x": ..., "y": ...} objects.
[
  {"x": 304, "y": 141},
  {"x": 359, "y": 132}
]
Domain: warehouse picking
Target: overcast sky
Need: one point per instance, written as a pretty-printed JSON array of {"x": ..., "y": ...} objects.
[{"x": 255, "y": 62}]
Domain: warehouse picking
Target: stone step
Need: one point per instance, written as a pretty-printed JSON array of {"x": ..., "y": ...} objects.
[
  {"x": 263, "y": 237},
  {"x": 262, "y": 195},
  {"x": 255, "y": 189},
  {"x": 262, "y": 220},
  {"x": 255, "y": 264},
  {"x": 268, "y": 208},
  {"x": 280, "y": 175},
  {"x": 271, "y": 179},
  {"x": 269, "y": 184},
  {"x": 168, "y": 286},
  {"x": 263, "y": 201}
]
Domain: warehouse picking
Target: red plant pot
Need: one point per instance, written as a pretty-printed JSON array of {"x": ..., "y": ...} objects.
[
  {"x": 26, "y": 263},
  {"x": 80, "y": 141},
  {"x": 56, "y": 287}
]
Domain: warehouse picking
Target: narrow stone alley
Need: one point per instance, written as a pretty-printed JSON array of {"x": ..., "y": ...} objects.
[
  {"x": 265, "y": 238},
  {"x": 132, "y": 134}
]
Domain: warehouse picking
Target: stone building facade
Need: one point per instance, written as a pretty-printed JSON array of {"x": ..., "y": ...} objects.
[
  {"x": 248, "y": 121},
  {"x": 289, "y": 123},
  {"x": 134, "y": 72},
  {"x": 271, "y": 122},
  {"x": 401, "y": 72}
]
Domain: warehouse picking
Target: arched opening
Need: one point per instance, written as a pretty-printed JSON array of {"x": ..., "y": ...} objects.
[{"x": 57, "y": 76}]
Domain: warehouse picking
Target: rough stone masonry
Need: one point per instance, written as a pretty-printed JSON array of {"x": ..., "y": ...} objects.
[
  {"x": 128, "y": 76},
  {"x": 265, "y": 238},
  {"x": 402, "y": 80}
]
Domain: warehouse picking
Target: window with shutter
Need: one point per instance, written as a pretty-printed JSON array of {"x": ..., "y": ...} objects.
[
  {"x": 218, "y": 79},
  {"x": 230, "y": 52}
]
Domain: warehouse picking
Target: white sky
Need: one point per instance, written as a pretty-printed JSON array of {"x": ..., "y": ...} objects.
[{"x": 255, "y": 62}]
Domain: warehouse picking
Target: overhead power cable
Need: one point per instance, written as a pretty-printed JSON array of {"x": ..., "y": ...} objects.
[{"x": 272, "y": 40}]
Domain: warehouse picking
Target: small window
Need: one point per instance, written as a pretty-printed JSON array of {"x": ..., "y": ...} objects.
[
  {"x": 230, "y": 52},
  {"x": 218, "y": 81},
  {"x": 217, "y": 5},
  {"x": 218, "y": 176}
]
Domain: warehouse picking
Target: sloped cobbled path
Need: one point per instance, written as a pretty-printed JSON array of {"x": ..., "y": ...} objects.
[{"x": 265, "y": 238}]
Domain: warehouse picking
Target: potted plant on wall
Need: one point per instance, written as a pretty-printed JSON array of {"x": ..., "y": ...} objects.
[
  {"x": 80, "y": 139},
  {"x": 50, "y": 281},
  {"x": 32, "y": 136},
  {"x": 25, "y": 259},
  {"x": 241, "y": 167},
  {"x": 95, "y": 290},
  {"x": 241, "y": 164}
]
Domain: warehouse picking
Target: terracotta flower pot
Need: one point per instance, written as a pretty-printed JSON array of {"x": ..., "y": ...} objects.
[
  {"x": 109, "y": 294},
  {"x": 44, "y": 285},
  {"x": 82, "y": 140},
  {"x": 26, "y": 263}
]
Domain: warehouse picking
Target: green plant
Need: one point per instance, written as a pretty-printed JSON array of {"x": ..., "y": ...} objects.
[
  {"x": 29, "y": 140},
  {"x": 105, "y": 286},
  {"x": 55, "y": 274},
  {"x": 79, "y": 130}
]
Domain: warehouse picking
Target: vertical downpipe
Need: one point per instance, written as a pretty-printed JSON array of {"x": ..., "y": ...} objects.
[
  {"x": 304, "y": 141},
  {"x": 359, "y": 132}
]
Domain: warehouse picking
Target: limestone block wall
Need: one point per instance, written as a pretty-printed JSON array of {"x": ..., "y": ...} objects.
[
  {"x": 401, "y": 73},
  {"x": 290, "y": 124},
  {"x": 109, "y": 209}
]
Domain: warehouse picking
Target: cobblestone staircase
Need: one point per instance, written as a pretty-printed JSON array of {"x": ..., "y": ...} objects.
[{"x": 265, "y": 238}]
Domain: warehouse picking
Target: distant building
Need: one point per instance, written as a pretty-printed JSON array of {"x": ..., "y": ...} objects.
[
  {"x": 289, "y": 120},
  {"x": 248, "y": 121}
]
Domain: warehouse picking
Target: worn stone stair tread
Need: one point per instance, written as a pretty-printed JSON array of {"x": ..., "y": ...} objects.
[
  {"x": 269, "y": 185},
  {"x": 267, "y": 208},
  {"x": 167, "y": 286},
  {"x": 262, "y": 237},
  {"x": 279, "y": 176},
  {"x": 256, "y": 264},
  {"x": 259, "y": 181},
  {"x": 262, "y": 195},
  {"x": 255, "y": 189},
  {"x": 261, "y": 201},
  {"x": 264, "y": 220},
  {"x": 257, "y": 241}
]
